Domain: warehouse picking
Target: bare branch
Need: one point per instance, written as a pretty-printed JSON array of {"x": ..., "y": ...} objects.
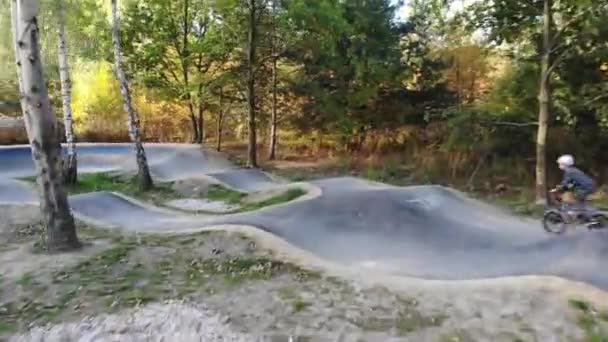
[
  {"x": 170, "y": 70},
  {"x": 270, "y": 57},
  {"x": 556, "y": 47},
  {"x": 573, "y": 20},
  {"x": 595, "y": 99},
  {"x": 515, "y": 124},
  {"x": 556, "y": 62},
  {"x": 232, "y": 98}
]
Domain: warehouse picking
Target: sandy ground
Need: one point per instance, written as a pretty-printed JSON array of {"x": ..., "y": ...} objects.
[
  {"x": 345, "y": 304},
  {"x": 155, "y": 322},
  {"x": 17, "y": 258}
]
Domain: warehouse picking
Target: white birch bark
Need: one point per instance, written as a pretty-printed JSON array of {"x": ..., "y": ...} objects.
[
  {"x": 42, "y": 128},
  {"x": 144, "y": 178},
  {"x": 70, "y": 164}
]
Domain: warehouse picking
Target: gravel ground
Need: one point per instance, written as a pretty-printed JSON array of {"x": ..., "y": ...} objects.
[
  {"x": 155, "y": 322},
  {"x": 318, "y": 308}
]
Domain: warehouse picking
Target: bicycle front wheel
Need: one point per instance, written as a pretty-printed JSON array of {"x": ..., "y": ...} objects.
[{"x": 554, "y": 222}]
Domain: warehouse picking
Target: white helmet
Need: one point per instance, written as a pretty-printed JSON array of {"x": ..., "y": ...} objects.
[{"x": 566, "y": 160}]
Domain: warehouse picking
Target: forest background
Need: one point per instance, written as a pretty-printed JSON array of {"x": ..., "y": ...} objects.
[{"x": 428, "y": 91}]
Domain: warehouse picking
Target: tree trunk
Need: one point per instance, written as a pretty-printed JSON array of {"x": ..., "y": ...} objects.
[
  {"x": 252, "y": 148},
  {"x": 70, "y": 171},
  {"x": 184, "y": 56},
  {"x": 273, "y": 120},
  {"x": 458, "y": 88},
  {"x": 544, "y": 97},
  {"x": 195, "y": 132},
  {"x": 143, "y": 171},
  {"x": 220, "y": 118},
  {"x": 22, "y": 102},
  {"x": 42, "y": 129},
  {"x": 201, "y": 118}
]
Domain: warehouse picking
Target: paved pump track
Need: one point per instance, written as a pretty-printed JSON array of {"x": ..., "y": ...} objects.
[{"x": 429, "y": 232}]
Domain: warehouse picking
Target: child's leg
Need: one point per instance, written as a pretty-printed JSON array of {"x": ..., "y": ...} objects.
[{"x": 581, "y": 203}]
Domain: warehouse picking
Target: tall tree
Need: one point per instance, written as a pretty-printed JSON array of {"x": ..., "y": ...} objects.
[
  {"x": 167, "y": 48},
  {"x": 143, "y": 171},
  {"x": 557, "y": 30},
  {"x": 220, "y": 118},
  {"x": 544, "y": 97},
  {"x": 252, "y": 160},
  {"x": 42, "y": 130},
  {"x": 350, "y": 56},
  {"x": 70, "y": 163},
  {"x": 272, "y": 146}
]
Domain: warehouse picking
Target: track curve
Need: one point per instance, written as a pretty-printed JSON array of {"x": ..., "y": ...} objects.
[{"x": 422, "y": 231}]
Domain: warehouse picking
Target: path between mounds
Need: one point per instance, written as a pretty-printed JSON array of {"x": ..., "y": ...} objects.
[{"x": 429, "y": 232}]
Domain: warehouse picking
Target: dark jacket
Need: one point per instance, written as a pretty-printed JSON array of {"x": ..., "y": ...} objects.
[{"x": 577, "y": 180}]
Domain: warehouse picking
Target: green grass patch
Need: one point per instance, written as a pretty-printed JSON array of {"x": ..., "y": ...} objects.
[
  {"x": 407, "y": 320},
  {"x": 220, "y": 193},
  {"x": 460, "y": 335},
  {"x": 580, "y": 305},
  {"x": 7, "y": 328},
  {"x": 411, "y": 320},
  {"x": 300, "y": 305},
  {"x": 593, "y": 322},
  {"x": 127, "y": 185},
  {"x": 102, "y": 181},
  {"x": 26, "y": 279},
  {"x": 31, "y": 179},
  {"x": 287, "y": 196},
  {"x": 236, "y": 270},
  {"x": 161, "y": 192},
  {"x": 405, "y": 323}
]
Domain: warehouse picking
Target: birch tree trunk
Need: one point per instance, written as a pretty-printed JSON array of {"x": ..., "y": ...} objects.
[
  {"x": 14, "y": 24},
  {"x": 70, "y": 171},
  {"x": 41, "y": 126},
  {"x": 220, "y": 119},
  {"x": 544, "y": 96},
  {"x": 252, "y": 146},
  {"x": 143, "y": 171},
  {"x": 273, "y": 120}
]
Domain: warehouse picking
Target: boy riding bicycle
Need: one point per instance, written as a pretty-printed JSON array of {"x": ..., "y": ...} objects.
[{"x": 577, "y": 181}]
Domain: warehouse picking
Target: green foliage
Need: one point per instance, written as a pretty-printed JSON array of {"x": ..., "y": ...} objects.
[
  {"x": 514, "y": 93},
  {"x": 578, "y": 45},
  {"x": 96, "y": 98},
  {"x": 88, "y": 38},
  {"x": 349, "y": 73},
  {"x": 179, "y": 45},
  {"x": 350, "y": 55},
  {"x": 8, "y": 77},
  {"x": 165, "y": 39}
]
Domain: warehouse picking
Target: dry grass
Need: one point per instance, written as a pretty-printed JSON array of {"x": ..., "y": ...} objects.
[{"x": 12, "y": 131}]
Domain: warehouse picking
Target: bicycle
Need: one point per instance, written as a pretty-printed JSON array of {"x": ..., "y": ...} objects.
[{"x": 561, "y": 215}]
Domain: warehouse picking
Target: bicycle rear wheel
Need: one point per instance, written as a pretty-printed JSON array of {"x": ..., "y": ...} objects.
[
  {"x": 600, "y": 221},
  {"x": 554, "y": 222}
]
